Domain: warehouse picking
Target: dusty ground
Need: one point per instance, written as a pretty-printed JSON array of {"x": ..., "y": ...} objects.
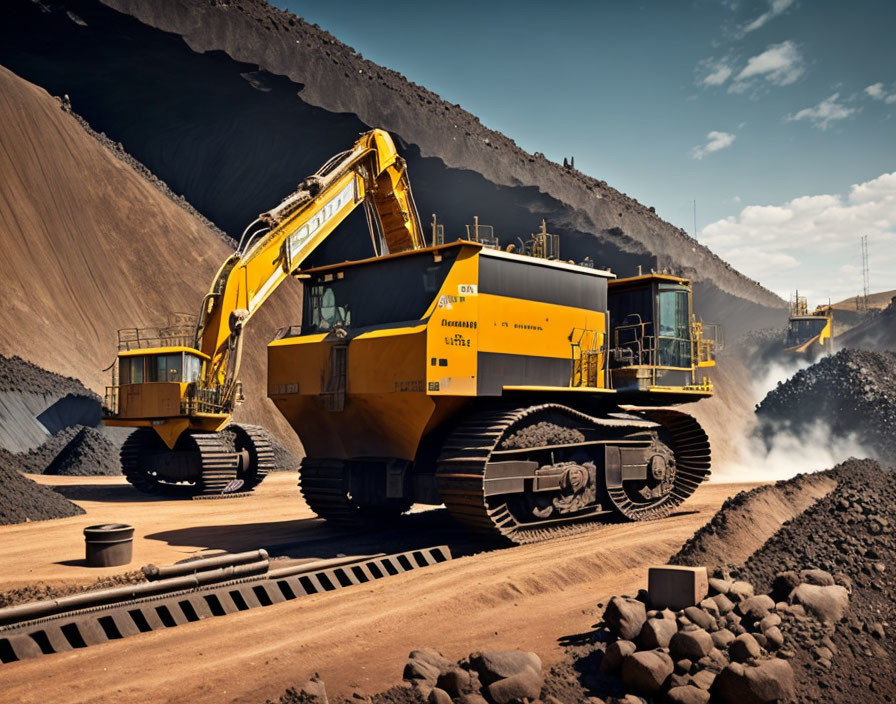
[{"x": 520, "y": 597}]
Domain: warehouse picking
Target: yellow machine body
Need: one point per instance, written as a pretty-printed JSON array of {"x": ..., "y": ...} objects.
[{"x": 420, "y": 336}]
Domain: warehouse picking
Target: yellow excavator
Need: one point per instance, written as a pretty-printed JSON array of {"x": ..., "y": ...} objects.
[
  {"x": 179, "y": 389},
  {"x": 530, "y": 395},
  {"x": 808, "y": 333}
]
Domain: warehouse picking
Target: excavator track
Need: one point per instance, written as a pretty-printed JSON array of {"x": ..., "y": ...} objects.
[
  {"x": 219, "y": 465},
  {"x": 216, "y": 473},
  {"x": 462, "y": 468},
  {"x": 324, "y": 486},
  {"x": 257, "y": 442}
]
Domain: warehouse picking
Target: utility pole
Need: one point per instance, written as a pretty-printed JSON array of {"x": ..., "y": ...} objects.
[
  {"x": 695, "y": 218},
  {"x": 866, "y": 276}
]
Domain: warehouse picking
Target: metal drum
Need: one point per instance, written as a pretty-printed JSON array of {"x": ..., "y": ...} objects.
[{"x": 109, "y": 544}]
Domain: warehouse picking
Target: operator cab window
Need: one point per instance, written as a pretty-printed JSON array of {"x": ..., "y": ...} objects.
[
  {"x": 165, "y": 367},
  {"x": 130, "y": 370},
  {"x": 674, "y": 339},
  {"x": 192, "y": 368}
]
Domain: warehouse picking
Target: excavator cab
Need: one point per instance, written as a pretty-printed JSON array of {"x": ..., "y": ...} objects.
[
  {"x": 808, "y": 332},
  {"x": 656, "y": 342}
]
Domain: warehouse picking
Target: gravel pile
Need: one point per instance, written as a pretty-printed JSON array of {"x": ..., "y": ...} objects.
[
  {"x": 853, "y": 393},
  {"x": 23, "y": 500},
  {"x": 37, "y": 460},
  {"x": 87, "y": 453},
  {"x": 77, "y": 451}
]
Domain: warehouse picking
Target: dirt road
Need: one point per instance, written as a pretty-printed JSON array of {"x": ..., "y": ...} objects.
[{"x": 357, "y": 638}]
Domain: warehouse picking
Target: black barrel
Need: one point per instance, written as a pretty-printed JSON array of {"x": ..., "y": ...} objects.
[{"x": 109, "y": 544}]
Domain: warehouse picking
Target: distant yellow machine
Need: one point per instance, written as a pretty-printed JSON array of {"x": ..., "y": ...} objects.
[
  {"x": 809, "y": 333},
  {"x": 529, "y": 395}
]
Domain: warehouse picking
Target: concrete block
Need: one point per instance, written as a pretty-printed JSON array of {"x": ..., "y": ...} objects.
[{"x": 673, "y": 587}]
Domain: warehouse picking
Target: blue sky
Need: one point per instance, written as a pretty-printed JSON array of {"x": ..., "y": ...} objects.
[{"x": 777, "y": 116}]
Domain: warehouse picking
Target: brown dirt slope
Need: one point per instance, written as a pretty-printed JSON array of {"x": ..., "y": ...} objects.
[
  {"x": 90, "y": 247},
  {"x": 747, "y": 520}
]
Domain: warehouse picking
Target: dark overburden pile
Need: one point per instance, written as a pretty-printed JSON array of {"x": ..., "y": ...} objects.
[
  {"x": 87, "y": 453},
  {"x": 78, "y": 451},
  {"x": 850, "y": 534},
  {"x": 876, "y": 332},
  {"x": 23, "y": 500},
  {"x": 852, "y": 393},
  {"x": 20, "y": 376}
]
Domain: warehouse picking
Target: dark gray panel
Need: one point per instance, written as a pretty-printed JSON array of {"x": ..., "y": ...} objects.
[
  {"x": 497, "y": 370},
  {"x": 532, "y": 282}
]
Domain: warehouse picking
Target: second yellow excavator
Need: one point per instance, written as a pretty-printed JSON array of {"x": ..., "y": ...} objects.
[
  {"x": 530, "y": 395},
  {"x": 179, "y": 387}
]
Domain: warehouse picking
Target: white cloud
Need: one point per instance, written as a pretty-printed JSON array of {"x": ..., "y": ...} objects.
[
  {"x": 812, "y": 242},
  {"x": 823, "y": 114},
  {"x": 776, "y": 7},
  {"x": 877, "y": 92},
  {"x": 719, "y": 72},
  {"x": 780, "y": 64},
  {"x": 714, "y": 142}
]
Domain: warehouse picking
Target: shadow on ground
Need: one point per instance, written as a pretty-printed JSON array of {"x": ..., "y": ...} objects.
[
  {"x": 112, "y": 492},
  {"x": 313, "y": 538}
]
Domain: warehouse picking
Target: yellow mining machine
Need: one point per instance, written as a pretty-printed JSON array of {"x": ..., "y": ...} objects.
[
  {"x": 808, "y": 333},
  {"x": 529, "y": 395}
]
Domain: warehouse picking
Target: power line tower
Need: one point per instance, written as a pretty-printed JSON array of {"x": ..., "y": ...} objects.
[{"x": 862, "y": 304}]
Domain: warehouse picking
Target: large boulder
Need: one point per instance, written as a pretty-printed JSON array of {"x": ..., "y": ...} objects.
[
  {"x": 687, "y": 694},
  {"x": 817, "y": 577},
  {"x": 828, "y": 604},
  {"x": 524, "y": 685},
  {"x": 499, "y": 664},
  {"x": 722, "y": 638},
  {"x": 693, "y": 645},
  {"x": 615, "y": 654},
  {"x": 699, "y": 617},
  {"x": 745, "y": 647},
  {"x": 765, "y": 682},
  {"x": 647, "y": 670},
  {"x": 755, "y": 608},
  {"x": 625, "y": 617},
  {"x": 438, "y": 696},
  {"x": 457, "y": 681},
  {"x": 656, "y": 633}
]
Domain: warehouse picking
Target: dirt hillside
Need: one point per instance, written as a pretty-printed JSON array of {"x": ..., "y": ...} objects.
[{"x": 79, "y": 264}]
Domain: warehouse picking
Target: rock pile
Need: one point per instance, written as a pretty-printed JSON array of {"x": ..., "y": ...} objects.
[
  {"x": 728, "y": 648},
  {"x": 852, "y": 393},
  {"x": 78, "y": 451},
  {"x": 23, "y": 500},
  {"x": 87, "y": 453},
  {"x": 496, "y": 677}
]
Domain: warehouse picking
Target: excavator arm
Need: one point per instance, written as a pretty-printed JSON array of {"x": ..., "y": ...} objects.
[{"x": 270, "y": 250}]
